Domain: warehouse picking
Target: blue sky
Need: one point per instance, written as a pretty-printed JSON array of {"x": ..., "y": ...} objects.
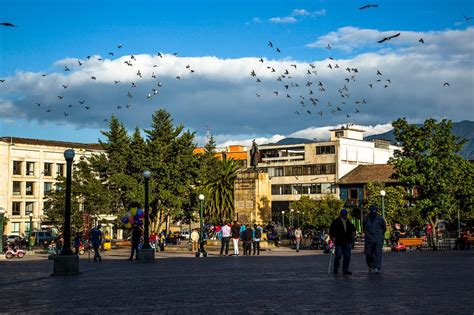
[{"x": 51, "y": 31}]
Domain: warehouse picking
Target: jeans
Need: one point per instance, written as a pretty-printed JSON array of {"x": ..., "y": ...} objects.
[
  {"x": 134, "y": 250},
  {"x": 298, "y": 242},
  {"x": 235, "y": 241},
  {"x": 373, "y": 255},
  {"x": 344, "y": 251},
  {"x": 247, "y": 247},
  {"x": 225, "y": 243},
  {"x": 96, "y": 252},
  {"x": 256, "y": 247}
]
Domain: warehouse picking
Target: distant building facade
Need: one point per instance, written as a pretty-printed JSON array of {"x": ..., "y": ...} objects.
[
  {"x": 29, "y": 169},
  {"x": 314, "y": 169}
]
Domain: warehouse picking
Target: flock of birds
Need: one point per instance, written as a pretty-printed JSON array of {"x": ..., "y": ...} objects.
[{"x": 308, "y": 101}]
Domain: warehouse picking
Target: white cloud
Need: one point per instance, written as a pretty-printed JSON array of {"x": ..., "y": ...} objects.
[
  {"x": 321, "y": 12},
  {"x": 222, "y": 94},
  {"x": 300, "y": 12},
  {"x": 283, "y": 20}
]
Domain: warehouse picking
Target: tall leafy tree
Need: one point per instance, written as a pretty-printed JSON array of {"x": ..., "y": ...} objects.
[
  {"x": 430, "y": 160},
  {"x": 317, "y": 213},
  {"x": 172, "y": 164},
  {"x": 397, "y": 209}
]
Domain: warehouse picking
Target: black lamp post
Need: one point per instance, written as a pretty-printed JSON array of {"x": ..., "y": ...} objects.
[
  {"x": 202, "y": 251},
  {"x": 146, "y": 236},
  {"x": 69, "y": 156},
  {"x": 2, "y": 215},
  {"x": 31, "y": 228}
]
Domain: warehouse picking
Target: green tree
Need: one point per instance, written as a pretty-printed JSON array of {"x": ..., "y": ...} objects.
[
  {"x": 220, "y": 191},
  {"x": 430, "y": 161},
  {"x": 172, "y": 164},
  {"x": 395, "y": 204},
  {"x": 318, "y": 213}
]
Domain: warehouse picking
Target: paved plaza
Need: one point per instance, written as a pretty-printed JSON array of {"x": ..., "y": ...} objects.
[{"x": 275, "y": 282}]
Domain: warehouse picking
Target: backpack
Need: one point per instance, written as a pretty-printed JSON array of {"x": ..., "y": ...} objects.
[{"x": 258, "y": 233}]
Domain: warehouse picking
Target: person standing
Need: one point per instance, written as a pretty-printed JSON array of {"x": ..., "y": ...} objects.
[
  {"x": 226, "y": 232},
  {"x": 195, "y": 241},
  {"x": 247, "y": 238},
  {"x": 136, "y": 238},
  {"x": 298, "y": 238},
  {"x": 257, "y": 236},
  {"x": 77, "y": 243},
  {"x": 375, "y": 228},
  {"x": 96, "y": 240},
  {"x": 342, "y": 232},
  {"x": 235, "y": 233}
]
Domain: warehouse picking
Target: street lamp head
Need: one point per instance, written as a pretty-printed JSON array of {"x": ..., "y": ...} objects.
[
  {"x": 201, "y": 197},
  {"x": 147, "y": 174},
  {"x": 69, "y": 154},
  {"x": 292, "y": 210},
  {"x": 382, "y": 193},
  {"x": 282, "y": 212},
  {"x": 31, "y": 214}
]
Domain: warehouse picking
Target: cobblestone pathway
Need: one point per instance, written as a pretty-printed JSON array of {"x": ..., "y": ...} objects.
[{"x": 418, "y": 282}]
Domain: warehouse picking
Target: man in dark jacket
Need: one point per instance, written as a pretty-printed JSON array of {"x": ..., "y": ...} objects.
[
  {"x": 374, "y": 237},
  {"x": 136, "y": 238},
  {"x": 342, "y": 233},
  {"x": 247, "y": 238}
]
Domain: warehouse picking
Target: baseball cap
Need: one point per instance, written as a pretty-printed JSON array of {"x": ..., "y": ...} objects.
[{"x": 344, "y": 211}]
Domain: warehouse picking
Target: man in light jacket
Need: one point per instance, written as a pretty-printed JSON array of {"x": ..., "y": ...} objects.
[
  {"x": 195, "y": 241},
  {"x": 374, "y": 237},
  {"x": 225, "y": 230}
]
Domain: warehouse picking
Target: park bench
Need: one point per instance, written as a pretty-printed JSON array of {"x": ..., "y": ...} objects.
[{"x": 411, "y": 242}]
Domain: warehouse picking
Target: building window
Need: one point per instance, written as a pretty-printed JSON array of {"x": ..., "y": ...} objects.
[
  {"x": 60, "y": 170},
  {"x": 16, "y": 208},
  {"x": 27, "y": 227},
  {"x": 48, "y": 169},
  {"x": 328, "y": 188},
  {"x": 30, "y": 188},
  {"x": 48, "y": 187},
  {"x": 30, "y": 168},
  {"x": 29, "y": 207},
  {"x": 16, "y": 167},
  {"x": 326, "y": 149},
  {"x": 315, "y": 189},
  {"x": 16, "y": 188},
  {"x": 275, "y": 171},
  {"x": 15, "y": 227},
  {"x": 339, "y": 134},
  {"x": 353, "y": 194}
]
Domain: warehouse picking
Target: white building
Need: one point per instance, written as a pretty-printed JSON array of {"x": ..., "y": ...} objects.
[
  {"x": 314, "y": 168},
  {"x": 28, "y": 170}
]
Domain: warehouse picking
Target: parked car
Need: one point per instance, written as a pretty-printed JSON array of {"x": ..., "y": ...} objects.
[
  {"x": 41, "y": 237},
  {"x": 185, "y": 235},
  {"x": 14, "y": 238}
]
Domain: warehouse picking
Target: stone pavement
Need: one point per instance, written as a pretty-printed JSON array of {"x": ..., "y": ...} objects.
[{"x": 417, "y": 282}]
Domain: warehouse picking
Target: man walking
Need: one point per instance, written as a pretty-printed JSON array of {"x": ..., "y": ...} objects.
[
  {"x": 136, "y": 238},
  {"x": 195, "y": 241},
  {"x": 247, "y": 238},
  {"x": 225, "y": 231},
  {"x": 374, "y": 237},
  {"x": 96, "y": 240},
  {"x": 235, "y": 233},
  {"x": 298, "y": 238},
  {"x": 257, "y": 236},
  {"x": 342, "y": 232}
]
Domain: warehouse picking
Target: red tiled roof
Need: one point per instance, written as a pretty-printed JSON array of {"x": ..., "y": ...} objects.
[
  {"x": 382, "y": 173},
  {"x": 53, "y": 143}
]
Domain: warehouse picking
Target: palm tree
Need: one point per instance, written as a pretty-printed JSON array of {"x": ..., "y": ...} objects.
[{"x": 220, "y": 191}]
